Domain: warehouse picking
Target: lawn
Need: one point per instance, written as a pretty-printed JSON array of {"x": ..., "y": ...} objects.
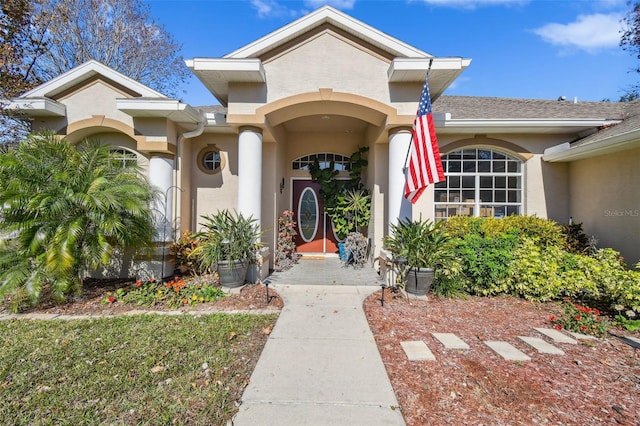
[{"x": 146, "y": 369}]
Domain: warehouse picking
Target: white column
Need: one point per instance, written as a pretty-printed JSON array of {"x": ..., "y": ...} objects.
[
  {"x": 161, "y": 177},
  {"x": 398, "y": 206},
  {"x": 250, "y": 172}
]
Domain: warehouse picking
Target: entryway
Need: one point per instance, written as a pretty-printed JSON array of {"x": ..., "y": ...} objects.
[{"x": 315, "y": 232}]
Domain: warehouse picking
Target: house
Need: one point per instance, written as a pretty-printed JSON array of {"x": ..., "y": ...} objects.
[{"x": 322, "y": 87}]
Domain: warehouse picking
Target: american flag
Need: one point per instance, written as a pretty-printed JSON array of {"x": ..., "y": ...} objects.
[{"x": 425, "y": 166}]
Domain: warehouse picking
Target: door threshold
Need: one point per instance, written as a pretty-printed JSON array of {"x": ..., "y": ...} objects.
[{"x": 318, "y": 256}]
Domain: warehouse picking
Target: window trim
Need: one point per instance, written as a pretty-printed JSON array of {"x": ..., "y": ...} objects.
[
  {"x": 203, "y": 153},
  {"x": 478, "y": 205}
]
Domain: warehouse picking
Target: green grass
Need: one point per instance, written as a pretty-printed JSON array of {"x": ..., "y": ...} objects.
[{"x": 102, "y": 371}]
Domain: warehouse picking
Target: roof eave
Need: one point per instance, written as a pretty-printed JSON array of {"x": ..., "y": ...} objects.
[
  {"x": 38, "y": 107},
  {"x": 566, "y": 152},
  {"x": 442, "y": 71},
  {"x": 519, "y": 125},
  {"x": 217, "y": 73},
  {"x": 171, "y": 109}
]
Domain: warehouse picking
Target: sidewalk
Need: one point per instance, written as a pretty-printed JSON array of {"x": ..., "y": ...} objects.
[{"x": 320, "y": 365}]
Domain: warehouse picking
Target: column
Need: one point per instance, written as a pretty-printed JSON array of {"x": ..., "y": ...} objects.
[
  {"x": 250, "y": 172},
  {"x": 398, "y": 206},
  {"x": 161, "y": 177}
]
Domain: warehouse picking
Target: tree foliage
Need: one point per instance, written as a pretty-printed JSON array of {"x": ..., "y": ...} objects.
[
  {"x": 630, "y": 41},
  {"x": 118, "y": 33},
  {"x": 21, "y": 43},
  {"x": 41, "y": 39},
  {"x": 64, "y": 211}
]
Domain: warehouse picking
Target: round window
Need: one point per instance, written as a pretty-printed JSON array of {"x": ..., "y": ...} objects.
[{"x": 210, "y": 160}]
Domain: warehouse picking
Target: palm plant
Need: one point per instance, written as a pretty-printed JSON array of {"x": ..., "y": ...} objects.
[{"x": 64, "y": 211}]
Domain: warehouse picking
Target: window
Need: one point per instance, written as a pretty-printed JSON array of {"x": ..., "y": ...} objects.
[
  {"x": 121, "y": 157},
  {"x": 210, "y": 160},
  {"x": 479, "y": 182},
  {"x": 341, "y": 163}
]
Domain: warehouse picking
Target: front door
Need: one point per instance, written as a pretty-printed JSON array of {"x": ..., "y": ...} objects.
[{"x": 315, "y": 233}]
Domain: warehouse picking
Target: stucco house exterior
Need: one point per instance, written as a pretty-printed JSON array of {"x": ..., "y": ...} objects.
[{"x": 327, "y": 84}]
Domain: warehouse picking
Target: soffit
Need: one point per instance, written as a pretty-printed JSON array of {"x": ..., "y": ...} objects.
[
  {"x": 217, "y": 73},
  {"x": 160, "y": 108}
]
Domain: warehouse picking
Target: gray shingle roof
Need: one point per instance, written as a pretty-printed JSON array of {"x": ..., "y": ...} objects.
[
  {"x": 631, "y": 122},
  {"x": 474, "y": 107}
]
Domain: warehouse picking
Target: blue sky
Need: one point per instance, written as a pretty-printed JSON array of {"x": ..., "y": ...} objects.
[{"x": 539, "y": 49}]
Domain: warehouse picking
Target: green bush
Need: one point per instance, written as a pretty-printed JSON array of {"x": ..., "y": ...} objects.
[
  {"x": 620, "y": 285},
  {"x": 527, "y": 256},
  {"x": 486, "y": 262},
  {"x": 551, "y": 273}
]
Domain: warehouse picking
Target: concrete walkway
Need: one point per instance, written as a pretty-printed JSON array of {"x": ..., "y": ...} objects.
[{"x": 321, "y": 365}]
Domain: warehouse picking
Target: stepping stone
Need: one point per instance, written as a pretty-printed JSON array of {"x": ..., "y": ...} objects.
[
  {"x": 507, "y": 351},
  {"x": 450, "y": 341},
  {"x": 580, "y": 336},
  {"x": 417, "y": 351},
  {"x": 541, "y": 345},
  {"x": 556, "y": 335}
]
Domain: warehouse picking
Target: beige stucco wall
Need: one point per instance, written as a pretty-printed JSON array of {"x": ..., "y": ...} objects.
[
  {"x": 210, "y": 193},
  {"x": 327, "y": 61},
  {"x": 97, "y": 98},
  {"x": 605, "y": 197}
]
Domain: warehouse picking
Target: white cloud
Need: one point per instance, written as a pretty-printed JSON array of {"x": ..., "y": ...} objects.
[
  {"x": 473, "y": 4},
  {"x": 270, "y": 8},
  {"x": 275, "y": 8},
  {"x": 338, "y": 4},
  {"x": 588, "y": 32}
]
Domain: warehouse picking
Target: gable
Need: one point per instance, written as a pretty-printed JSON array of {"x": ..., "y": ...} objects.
[
  {"x": 85, "y": 73},
  {"x": 327, "y": 60}
]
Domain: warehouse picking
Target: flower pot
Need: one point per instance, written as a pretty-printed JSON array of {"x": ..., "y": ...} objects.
[
  {"x": 232, "y": 274},
  {"x": 419, "y": 281},
  {"x": 341, "y": 251}
]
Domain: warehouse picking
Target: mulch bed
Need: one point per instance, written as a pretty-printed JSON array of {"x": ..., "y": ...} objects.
[
  {"x": 91, "y": 300},
  {"x": 594, "y": 383}
]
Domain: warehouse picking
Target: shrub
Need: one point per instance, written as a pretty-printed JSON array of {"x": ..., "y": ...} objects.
[
  {"x": 548, "y": 274},
  {"x": 68, "y": 209},
  {"x": 620, "y": 285},
  {"x": 575, "y": 240},
  {"x": 486, "y": 262},
  {"x": 181, "y": 251}
]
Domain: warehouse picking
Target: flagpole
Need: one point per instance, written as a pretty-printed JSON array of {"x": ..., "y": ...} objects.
[{"x": 404, "y": 169}]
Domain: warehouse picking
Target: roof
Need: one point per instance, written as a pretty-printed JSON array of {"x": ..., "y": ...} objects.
[
  {"x": 620, "y": 136},
  {"x": 487, "y": 108}
]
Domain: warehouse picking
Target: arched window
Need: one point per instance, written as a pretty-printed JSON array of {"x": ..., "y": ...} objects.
[
  {"x": 341, "y": 162},
  {"x": 479, "y": 182},
  {"x": 123, "y": 157}
]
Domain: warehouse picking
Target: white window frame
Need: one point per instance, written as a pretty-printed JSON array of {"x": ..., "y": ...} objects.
[{"x": 456, "y": 206}]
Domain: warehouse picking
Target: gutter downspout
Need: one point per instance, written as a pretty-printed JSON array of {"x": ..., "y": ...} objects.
[{"x": 178, "y": 170}]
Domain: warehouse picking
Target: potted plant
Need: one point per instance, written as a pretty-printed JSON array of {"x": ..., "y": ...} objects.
[
  {"x": 228, "y": 242},
  {"x": 423, "y": 245}
]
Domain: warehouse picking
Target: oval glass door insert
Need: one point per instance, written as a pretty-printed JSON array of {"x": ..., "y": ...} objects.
[{"x": 308, "y": 214}]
